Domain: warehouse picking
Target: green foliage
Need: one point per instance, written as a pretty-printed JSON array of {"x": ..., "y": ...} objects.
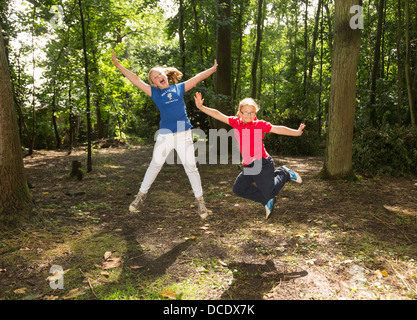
[
  {"x": 310, "y": 143},
  {"x": 386, "y": 150}
]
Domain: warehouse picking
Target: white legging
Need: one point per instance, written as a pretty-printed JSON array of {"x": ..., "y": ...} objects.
[{"x": 182, "y": 142}]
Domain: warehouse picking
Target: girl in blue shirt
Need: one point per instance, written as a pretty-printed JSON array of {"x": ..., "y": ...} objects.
[{"x": 174, "y": 127}]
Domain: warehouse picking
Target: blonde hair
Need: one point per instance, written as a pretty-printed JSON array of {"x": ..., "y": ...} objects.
[
  {"x": 173, "y": 74},
  {"x": 248, "y": 102}
]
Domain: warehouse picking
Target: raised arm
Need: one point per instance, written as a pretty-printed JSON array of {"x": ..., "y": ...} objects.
[
  {"x": 216, "y": 114},
  {"x": 189, "y": 84},
  {"x": 287, "y": 131},
  {"x": 132, "y": 77}
]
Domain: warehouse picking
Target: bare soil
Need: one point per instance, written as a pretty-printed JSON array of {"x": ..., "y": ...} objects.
[{"x": 325, "y": 240}]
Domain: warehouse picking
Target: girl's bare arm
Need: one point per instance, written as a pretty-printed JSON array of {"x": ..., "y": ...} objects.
[
  {"x": 288, "y": 131},
  {"x": 191, "y": 83},
  {"x": 216, "y": 114},
  {"x": 132, "y": 77}
]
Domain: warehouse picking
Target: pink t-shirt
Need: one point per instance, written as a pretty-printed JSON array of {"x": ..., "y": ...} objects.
[{"x": 250, "y": 138}]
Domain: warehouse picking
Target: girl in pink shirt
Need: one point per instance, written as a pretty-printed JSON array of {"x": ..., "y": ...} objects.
[{"x": 258, "y": 181}]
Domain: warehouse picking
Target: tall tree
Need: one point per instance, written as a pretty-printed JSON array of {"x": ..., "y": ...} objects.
[
  {"x": 181, "y": 13},
  {"x": 224, "y": 58},
  {"x": 399, "y": 63},
  {"x": 377, "y": 58},
  {"x": 338, "y": 156},
  {"x": 259, "y": 30},
  {"x": 87, "y": 86},
  {"x": 15, "y": 198},
  {"x": 411, "y": 94},
  {"x": 239, "y": 52},
  {"x": 312, "y": 53}
]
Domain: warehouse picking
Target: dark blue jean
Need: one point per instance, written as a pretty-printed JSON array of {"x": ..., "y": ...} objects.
[{"x": 263, "y": 186}]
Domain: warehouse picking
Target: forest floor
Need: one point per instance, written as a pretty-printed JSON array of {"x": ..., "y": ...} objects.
[{"x": 326, "y": 239}]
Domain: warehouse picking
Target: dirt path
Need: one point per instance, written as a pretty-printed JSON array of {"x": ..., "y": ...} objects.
[{"x": 327, "y": 240}]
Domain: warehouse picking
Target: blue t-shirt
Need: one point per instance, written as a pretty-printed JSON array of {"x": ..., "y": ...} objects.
[{"x": 171, "y": 105}]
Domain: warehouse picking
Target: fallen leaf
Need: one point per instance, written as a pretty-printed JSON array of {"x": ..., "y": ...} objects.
[
  {"x": 111, "y": 263},
  {"x": 224, "y": 264},
  {"x": 107, "y": 255},
  {"x": 170, "y": 294},
  {"x": 202, "y": 270},
  {"x": 20, "y": 291},
  {"x": 311, "y": 261},
  {"x": 56, "y": 275},
  {"x": 74, "y": 293},
  {"x": 381, "y": 274},
  {"x": 135, "y": 267},
  {"x": 105, "y": 273}
]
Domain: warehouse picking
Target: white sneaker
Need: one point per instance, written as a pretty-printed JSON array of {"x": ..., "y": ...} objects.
[
  {"x": 136, "y": 204},
  {"x": 294, "y": 175},
  {"x": 269, "y": 207},
  {"x": 202, "y": 210}
]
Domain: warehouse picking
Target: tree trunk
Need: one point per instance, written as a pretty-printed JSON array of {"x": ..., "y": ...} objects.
[
  {"x": 57, "y": 137},
  {"x": 87, "y": 85},
  {"x": 15, "y": 199},
  {"x": 71, "y": 117},
  {"x": 305, "y": 52},
  {"x": 408, "y": 62},
  {"x": 32, "y": 140},
  {"x": 320, "y": 111},
  {"x": 181, "y": 11},
  {"x": 338, "y": 156},
  {"x": 224, "y": 60},
  {"x": 314, "y": 42},
  {"x": 239, "y": 53},
  {"x": 259, "y": 30},
  {"x": 197, "y": 32},
  {"x": 399, "y": 66},
  {"x": 377, "y": 58}
]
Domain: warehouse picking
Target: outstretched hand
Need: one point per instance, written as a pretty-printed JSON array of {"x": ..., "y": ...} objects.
[
  {"x": 301, "y": 128},
  {"x": 198, "y": 100},
  {"x": 215, "y": 65},
  {"x": 113, "y": 58}
]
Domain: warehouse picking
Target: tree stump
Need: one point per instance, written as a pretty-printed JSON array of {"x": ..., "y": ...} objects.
[{"x": 76, "y": 170}]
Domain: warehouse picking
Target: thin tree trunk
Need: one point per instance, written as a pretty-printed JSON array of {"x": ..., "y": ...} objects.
[
  {"x": 224, "y": 60},
  {"x": 87, "y": 86},
  {"x": 408, "y": 62},
  {"x": 314, "y": 42},
  {"x": 377, "y": 59},
  {"x": 305, "y": 50},
  {"x": 181, "y": 34},
  {"x": 57, "y": 137},
  {"x": 257, "y": 47},
  {"x": 320, "y": 112},
  {"x": 32, "y": 140},
  {"x": 399, "y": 64},
  {"x": 239, "y": 53}
]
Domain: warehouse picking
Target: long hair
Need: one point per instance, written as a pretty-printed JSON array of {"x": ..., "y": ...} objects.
[{"x": 172, "y": 73}]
